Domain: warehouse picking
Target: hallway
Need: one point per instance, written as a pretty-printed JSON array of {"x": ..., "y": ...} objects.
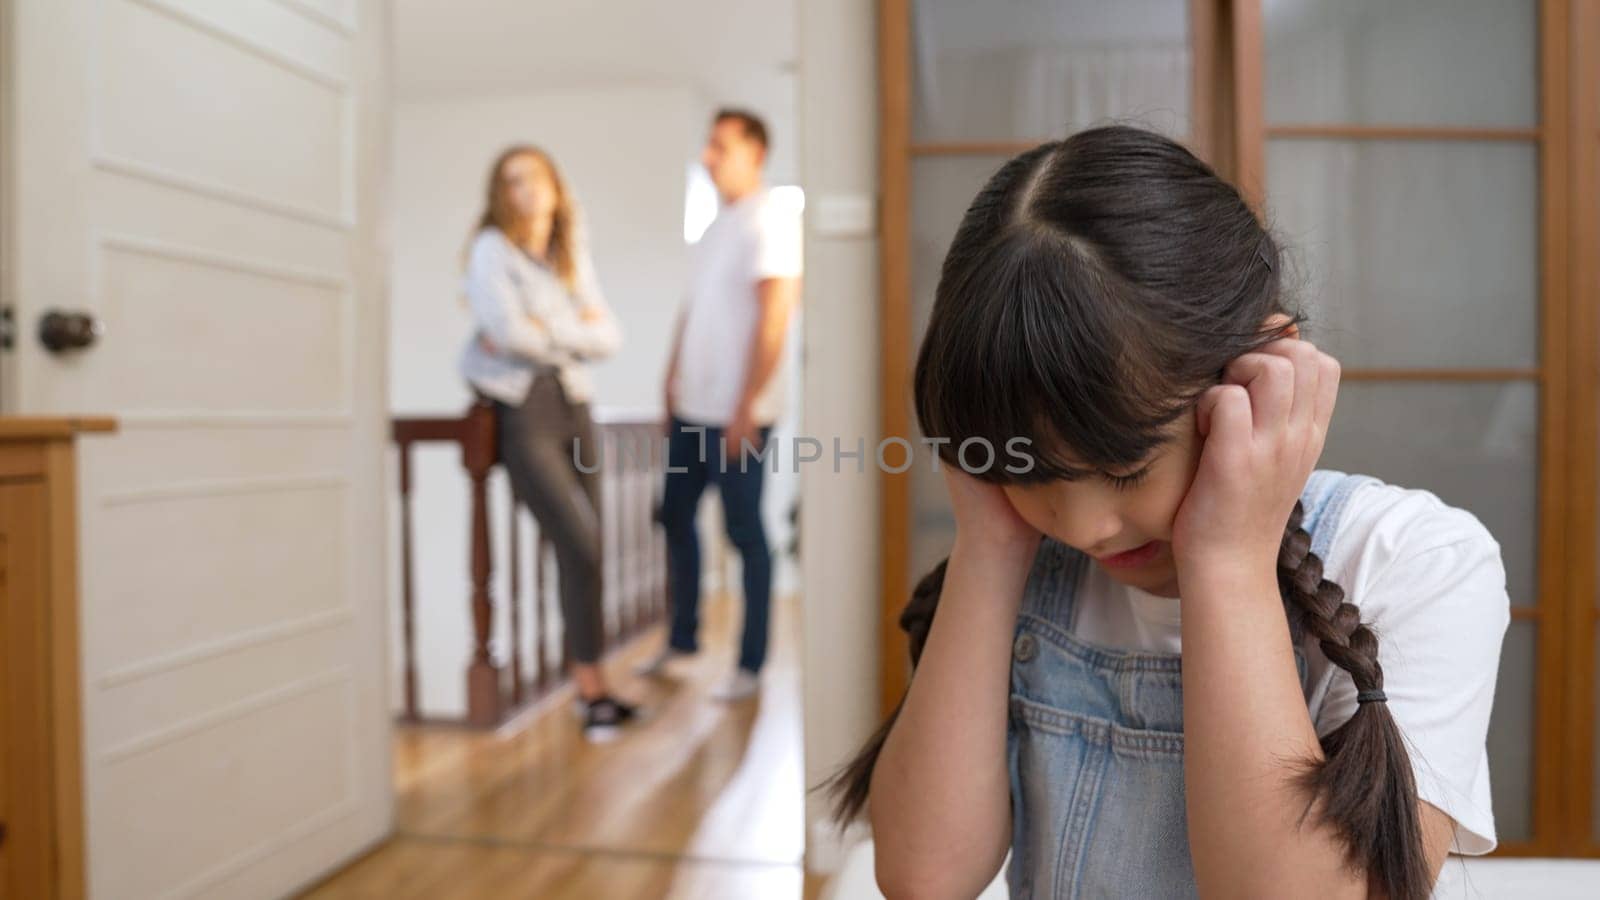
[{"x": 702, "y": 800}]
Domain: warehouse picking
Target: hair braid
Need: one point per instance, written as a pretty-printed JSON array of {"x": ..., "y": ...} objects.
[
  {"x": 849, "y": 786},
  {"x": 1364, "y": 784}
]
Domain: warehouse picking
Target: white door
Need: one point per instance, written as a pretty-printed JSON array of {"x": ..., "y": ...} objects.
[{"x": 201, "y": 177}]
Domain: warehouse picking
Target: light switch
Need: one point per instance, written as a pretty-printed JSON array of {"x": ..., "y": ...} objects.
[{"x": 842, "y": 215}]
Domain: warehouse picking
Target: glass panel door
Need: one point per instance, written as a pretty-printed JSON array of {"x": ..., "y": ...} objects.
[
  {"x": 991, "y": 79},
  {"x": 1403, "y": 164}
]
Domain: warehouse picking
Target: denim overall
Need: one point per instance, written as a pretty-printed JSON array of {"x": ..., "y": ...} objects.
[{"x": 1095, "y": 740}]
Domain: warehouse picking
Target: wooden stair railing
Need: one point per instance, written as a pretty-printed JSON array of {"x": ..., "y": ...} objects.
[{"x": 633, "y": 562}]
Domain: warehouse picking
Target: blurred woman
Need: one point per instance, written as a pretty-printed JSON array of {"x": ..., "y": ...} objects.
[{"x": 540, "y": 319}]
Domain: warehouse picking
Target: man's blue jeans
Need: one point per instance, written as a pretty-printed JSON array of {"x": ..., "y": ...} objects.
[{"x": 694, "y": 459}]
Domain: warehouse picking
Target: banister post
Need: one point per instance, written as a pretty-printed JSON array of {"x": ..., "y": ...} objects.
[{"x": 478, "y": 455}]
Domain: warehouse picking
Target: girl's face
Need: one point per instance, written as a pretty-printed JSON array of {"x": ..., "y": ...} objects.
[
  {"x": 530, "y": 188},
  {"x": 1126, "y": 524}
]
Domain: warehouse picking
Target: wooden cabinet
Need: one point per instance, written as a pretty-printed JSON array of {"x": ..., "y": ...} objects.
[{"x": 41, "y": 816}]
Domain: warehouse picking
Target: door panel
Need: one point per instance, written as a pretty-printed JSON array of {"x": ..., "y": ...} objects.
[
  {"x": 1042, "y": 69},
  {"x": 1422, "y": 62},
  {"x": 1479, "y": 451},
  {"x": 1389, "y": 239},
  {"x": 202, "y": 179},
  {"x": 1405, "y": 168}
]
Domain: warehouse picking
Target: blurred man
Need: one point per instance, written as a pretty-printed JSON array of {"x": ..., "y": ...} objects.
[{"x": 724, "y": 386}]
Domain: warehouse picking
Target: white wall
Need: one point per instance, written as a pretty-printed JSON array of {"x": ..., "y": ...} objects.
[
  {"x": 839, "y": 520},
  {"x": 731, "y": 51}
]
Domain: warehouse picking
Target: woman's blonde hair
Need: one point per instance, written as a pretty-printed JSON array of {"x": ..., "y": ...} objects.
[{"x": 562, "y": 254}]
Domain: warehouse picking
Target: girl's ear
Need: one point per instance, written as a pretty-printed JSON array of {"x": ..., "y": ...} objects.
[{"x": 1276, "y": 323}]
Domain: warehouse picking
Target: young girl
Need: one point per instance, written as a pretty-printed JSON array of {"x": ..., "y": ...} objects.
[
  {"x": 1154, "y": 667},
  {"x": 540, "y": 318}
]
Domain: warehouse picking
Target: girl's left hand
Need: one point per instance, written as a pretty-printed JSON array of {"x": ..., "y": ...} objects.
[{"x": 1262, "y": 429}]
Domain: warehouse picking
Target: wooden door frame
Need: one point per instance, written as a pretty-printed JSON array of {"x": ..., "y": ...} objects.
[
  {"x": 8, "y": 285},
  {"x": 1230, "y": 131},
  {"x": 894, "y": 337},
  {"x": 1577, "y": 752},
  {"x": 1549, "y": 650}
]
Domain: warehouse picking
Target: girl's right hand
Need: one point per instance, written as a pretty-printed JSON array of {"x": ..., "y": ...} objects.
[{"x": 985, "y": 516}]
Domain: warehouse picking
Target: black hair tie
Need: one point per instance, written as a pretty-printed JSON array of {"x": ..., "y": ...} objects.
[{"x": 1372, "y": 696}]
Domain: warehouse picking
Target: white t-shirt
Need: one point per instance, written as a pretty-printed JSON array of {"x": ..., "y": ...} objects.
[
  {"x": 750, "y": 240},
  {"x": 1429, "y": 580}
]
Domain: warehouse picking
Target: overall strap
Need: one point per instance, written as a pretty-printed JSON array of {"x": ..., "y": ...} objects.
[
  {"x": 1052, "y": 587},
  {"x": 1324, "y": 499}
]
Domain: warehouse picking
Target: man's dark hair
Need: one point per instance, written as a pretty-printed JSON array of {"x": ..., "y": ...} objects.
[{"x": 754, "y": 128}]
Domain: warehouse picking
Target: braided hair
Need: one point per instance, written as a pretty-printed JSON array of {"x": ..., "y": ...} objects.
[
  {"x": 1096, "y": 287},
  {"x": 1364, "y": 782}
]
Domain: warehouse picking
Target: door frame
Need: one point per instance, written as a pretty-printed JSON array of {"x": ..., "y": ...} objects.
[{"x": 8, "y": 285}]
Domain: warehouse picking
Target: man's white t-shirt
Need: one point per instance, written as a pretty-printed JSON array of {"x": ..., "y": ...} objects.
[
  {"x": 1428, "y": 579},
  {"x": 751, "y": 240}
]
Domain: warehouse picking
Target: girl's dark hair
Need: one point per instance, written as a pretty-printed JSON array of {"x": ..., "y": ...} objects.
[{"x": 1096, "y": 287}]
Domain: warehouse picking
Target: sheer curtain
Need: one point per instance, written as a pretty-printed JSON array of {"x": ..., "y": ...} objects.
[
  {"x": 1019, "y": 70},
  {"x": 1050, "y": 91}
]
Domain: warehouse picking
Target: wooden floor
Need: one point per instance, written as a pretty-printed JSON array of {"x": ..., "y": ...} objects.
[{"x": 703, "y": 800}]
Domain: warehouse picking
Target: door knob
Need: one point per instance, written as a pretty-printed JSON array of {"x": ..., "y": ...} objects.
[{"x": 61, "y": 331}]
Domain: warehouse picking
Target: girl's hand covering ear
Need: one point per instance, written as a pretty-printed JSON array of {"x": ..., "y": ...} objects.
[
  {"x": 984, "y": 515},
  {"x": 1262, "y": 431}
]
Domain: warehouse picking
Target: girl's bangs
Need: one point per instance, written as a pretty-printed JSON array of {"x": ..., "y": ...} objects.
[{"x": 1040, "y": 371}]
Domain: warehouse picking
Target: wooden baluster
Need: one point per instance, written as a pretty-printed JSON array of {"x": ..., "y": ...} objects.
[
  {"x": 658, "y": 555},
  {"x": 619, "y": 508},
  {"x": 603, "y": 526},
  {"x": 611, "y": 494},
  {"x": 560, "y": 669},
  {"x": 407, "y": 587},
  {"x": 619, "y": 478},
  {"x": 630, "y": 603},
  {"x": 639, "y": 610},
  {"x": 647, "y": 529},
  {"x": 647, "y": 562},
  {"x": 515, "y": 560},
  {"x": 640, "y": 516},
  {"x": 483, "y": 676},
  {"x": 540, "y": 671},
  {"x": 658, "y": 531}
]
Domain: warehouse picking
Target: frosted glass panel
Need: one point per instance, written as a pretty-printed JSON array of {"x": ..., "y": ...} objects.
[
  {"x": 1475, "y": 445},
  {"x": 1417, "y": 62},
  {"x": 1511, "y": 736},
  {"x": 1412, "y": 254},
  {"x": 1040, "y": 69},
  {"x": 941, "y": 189}
]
